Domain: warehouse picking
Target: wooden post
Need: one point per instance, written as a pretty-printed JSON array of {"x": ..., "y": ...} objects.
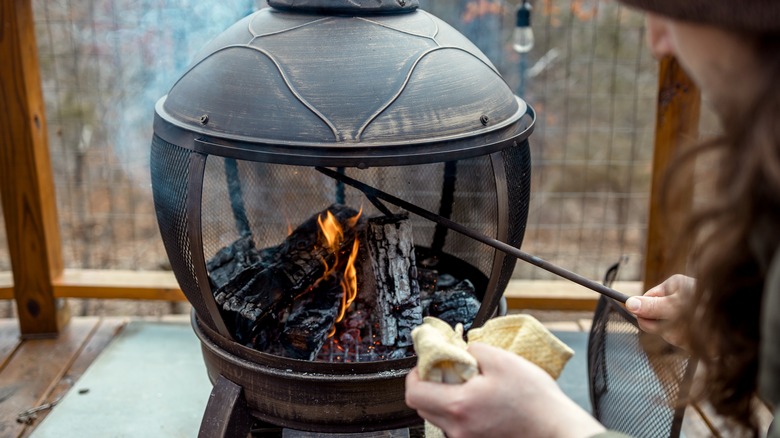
[
  {"x": 26, "y": 182},
  {"x": 677, "y": 125}
]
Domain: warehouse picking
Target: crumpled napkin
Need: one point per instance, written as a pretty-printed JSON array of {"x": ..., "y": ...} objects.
[
  {"x": 442, "y": 356},
  {"x": 441, "y": 352},
  {"x": 524, "y": 335}
]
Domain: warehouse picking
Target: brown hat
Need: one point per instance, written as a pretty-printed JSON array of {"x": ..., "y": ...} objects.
[{"x": 747, "y": 15}]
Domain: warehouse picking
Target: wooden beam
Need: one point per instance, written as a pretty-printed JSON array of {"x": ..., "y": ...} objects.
[
  {"x": 162, "y": 285},
  {"x": 558, "y": 295},
  {"x": 115, "y": 284},
  {"x": 677, "y": 126},
  {"x": 26, "y": 181},
  {"x": 6, "y": 286}
]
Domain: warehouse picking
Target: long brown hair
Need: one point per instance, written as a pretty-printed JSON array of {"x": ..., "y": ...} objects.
[{"x": 733, "y": 236}]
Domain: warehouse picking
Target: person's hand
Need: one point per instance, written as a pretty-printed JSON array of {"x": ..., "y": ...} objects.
[
  {"x": 510, "y": 397},
  {"x": 661, "y": 304}
]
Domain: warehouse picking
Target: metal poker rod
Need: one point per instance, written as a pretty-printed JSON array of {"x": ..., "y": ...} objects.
[{"x": 372, "y": 192}]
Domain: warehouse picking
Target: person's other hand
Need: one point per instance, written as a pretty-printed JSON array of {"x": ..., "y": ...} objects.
[
  {"x": 510, "y": 397},
  {"x": 660, "y": 304}
]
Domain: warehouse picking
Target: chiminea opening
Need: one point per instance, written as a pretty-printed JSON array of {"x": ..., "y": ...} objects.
[{"x": 304, "y": 288}]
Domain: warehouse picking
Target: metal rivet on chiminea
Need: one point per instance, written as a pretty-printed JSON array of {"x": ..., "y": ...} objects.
[{"x": 271, "y": 124}]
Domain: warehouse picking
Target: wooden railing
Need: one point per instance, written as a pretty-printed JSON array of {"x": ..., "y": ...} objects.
[
  {"x": 677, "y": 124},
  {"x": 38, "y": 282},
  {"x": 26, "y": 181}
]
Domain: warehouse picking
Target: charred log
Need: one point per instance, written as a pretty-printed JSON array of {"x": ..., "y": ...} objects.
[
  {"x": 427, "y": 280},
  {"x": 311, "y": 318},
  {"x": 456, "y": 304},
  {"x": 232, "y": 259},
  {"x": 276, "y": 299},
  {"x": 265, "y": 290},
  {"x": 391, "y": 251}
]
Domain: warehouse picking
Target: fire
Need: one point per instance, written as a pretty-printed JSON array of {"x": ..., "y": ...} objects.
[
  {"x": 331, "y": 231},
  {"x": 333, "y": 236},
  {"x": 349, "y": 282}
]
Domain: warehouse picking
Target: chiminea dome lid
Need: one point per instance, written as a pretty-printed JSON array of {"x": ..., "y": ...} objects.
[
  {"x": 358, "y": 7},
  {"x": 364, "y": 87}
]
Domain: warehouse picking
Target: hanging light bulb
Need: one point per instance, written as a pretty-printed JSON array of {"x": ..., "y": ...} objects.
[{"x": 523, "y": 37}]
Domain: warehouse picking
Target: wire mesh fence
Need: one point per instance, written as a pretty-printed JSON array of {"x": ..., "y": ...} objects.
[
  {"x": 593, "y": 85},
  {"x": 105, "y": 62}
]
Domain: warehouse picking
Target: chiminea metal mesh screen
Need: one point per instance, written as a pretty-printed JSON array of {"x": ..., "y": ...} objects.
[
  {"x": 636, "y": 379},
  {"x": 234, "y": 197},
  {"x": 170, "y": 175}
]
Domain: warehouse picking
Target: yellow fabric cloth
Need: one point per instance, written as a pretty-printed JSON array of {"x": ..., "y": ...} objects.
[
  {"x": 441, "y": 352},
  {"x": 525, "y": 336},
  {"x": 442, "y": 356}
]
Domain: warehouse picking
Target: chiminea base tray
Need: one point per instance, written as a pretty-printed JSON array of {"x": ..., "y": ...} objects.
[
  {"x": 227, "y": 415},
  {"x": 250, "y": 386}
]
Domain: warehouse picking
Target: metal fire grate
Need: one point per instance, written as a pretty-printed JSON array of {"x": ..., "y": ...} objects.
[{"x": 637, "y": 380}]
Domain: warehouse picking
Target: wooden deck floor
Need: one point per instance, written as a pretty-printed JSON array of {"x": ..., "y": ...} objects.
[{"x": 38, "y": 373}]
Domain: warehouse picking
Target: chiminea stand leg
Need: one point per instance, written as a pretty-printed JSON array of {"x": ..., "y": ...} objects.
[{"x": 226, "y": 412}]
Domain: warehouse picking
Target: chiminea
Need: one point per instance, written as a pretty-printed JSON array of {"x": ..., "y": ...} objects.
[{"x": 251, "y": 150}]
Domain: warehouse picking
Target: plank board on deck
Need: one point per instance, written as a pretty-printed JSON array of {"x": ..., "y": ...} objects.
[
  {"x": 150, "y": 381},
  {"x": 104, "y": 333},
  {"x": 34, "y": 368},
  {"x": 9, "y": 341}
]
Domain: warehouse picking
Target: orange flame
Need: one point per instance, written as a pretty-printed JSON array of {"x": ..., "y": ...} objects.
[
  {"x": 333, "y": 236},
  {"x": 349, "y": 282},
  {"x": 331, "y": 231}
]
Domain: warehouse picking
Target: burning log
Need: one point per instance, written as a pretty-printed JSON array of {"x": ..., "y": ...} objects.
[
  {"x": 391, "y": 251},
  {"x": 288, "y": 299},
  {"x": 259, "y": 295}
]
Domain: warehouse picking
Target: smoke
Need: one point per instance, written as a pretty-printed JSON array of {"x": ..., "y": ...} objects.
[{"x": 144, "y": 46}]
